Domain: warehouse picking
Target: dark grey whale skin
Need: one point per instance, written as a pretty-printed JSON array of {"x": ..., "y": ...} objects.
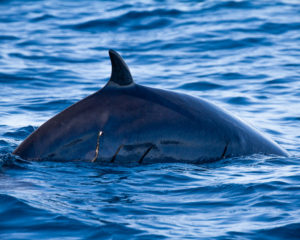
[{"x": 143, "y": 125}]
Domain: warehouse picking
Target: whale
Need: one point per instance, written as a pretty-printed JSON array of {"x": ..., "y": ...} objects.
[{"x": 125, "y": 122}]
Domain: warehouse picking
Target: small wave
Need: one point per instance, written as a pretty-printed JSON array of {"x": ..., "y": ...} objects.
[
  {"x": 4, "y": 143},
  {"x": 233, "y": 4},
  {"x": 16, "y": 216},
  {"x": 48, "y": 105},
  {"x": 287, "y": 231},
  {"x": 201, "y": 85},
  {"x": 153, "y": 13},
  {"x": 278, "y": 28},
  {"x": 159, "y": 23},
  {"x": 281, "y": 81},
  {"x": 28, "y": 43},
  {"x": 20, "y": 133},
  {"x": 42, "y": 17},
  {"x": 214, "y": 6},
  {"x": 133, "y": 19},
  {"x": 8, "y": 160},
  {"x": 8, "y": 38},
  {"x": 292, "y": 119},
  {"x": 239, "y": 101},
  {"x": 53, "y": 59},
  {"x": 218, "y": 44},
  {"x": 15, "y": 78},
  {"x": 239, "y": 76}
]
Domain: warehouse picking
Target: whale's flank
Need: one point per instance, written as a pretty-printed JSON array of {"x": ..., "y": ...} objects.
[{"x": 143, "y": 125}]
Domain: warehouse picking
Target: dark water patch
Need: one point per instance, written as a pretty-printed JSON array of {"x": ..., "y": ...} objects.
[
  {"x": 295, "y": 178},
  {"x": 292, "y": 65},
  {"x": 278, "y": 28},
  {"x": 6, "y": 20},
  {"x": 29, "y": 57},
  {"x": 273, "y": 132},
  {"x": 13, "y": 210},
  {"x": 264, "y": 217},
  {"x": 3, "y": 143},
  {"x": 57, "y": 74},
  {"x": 239, "y": 76},
  {"x": 270, "y": 204},
  {"x": 239, "y": 101},
  {"x": 8, "y": 38},
  {"x": 287, "y": 231},
  {"x": 154, "y": 13},
  {"x": 43, "y": 17},
  {"x": 292, "y": 119},
  {"x": 173, "y": 45},
  {"x": 234, "y": 4},
  {"x": 99, "y": 24},
  {"x": 264, "y": 186},
  {"x": 9, "y": 161},
  {"x": 282, "y": 161},
  {"x": 18, "y": 216},
  {"x": 255, "y": 41},
  {"x": 124, "y": 6},
  {"x": 214, "y": 45},
  {"x": 281, "y": 81},
  {"x": 38, "y": 31},
  {"x": 248, "y": 41},
  {"x": 46, "y": 106},
  {"x": 226, "y": 5},
  {"x": 297, "y": 94},
  {"x": 154, "y": 24},
  {"x": 278, "y": 88},
  {"x": 28, "y": 43},
  {"x": 201, "y": 85},
  {"x": 133, "y": 19},
  {"x": 262, "y": 97},
  {"x": 229, "y": 43},
  {"x": 15, "y": 78},
  {"x": 50, "y": 77},
  {"x": 53, "y": 59},
  {"x": 20, "y": 133}
]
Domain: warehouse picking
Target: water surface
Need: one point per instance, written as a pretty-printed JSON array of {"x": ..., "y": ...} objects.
[{"x": 241, "y": 55}]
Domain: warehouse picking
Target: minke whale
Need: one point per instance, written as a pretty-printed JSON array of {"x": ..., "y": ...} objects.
[{"x": 126, "y": 122}]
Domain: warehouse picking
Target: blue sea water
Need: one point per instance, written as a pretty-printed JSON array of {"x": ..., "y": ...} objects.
[{"x": 242, "y": 55}]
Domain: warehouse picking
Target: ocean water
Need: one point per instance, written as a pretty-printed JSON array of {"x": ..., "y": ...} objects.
[{"x": 242, "y": 55}]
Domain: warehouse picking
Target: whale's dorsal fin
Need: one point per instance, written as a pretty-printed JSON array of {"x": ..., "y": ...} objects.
[{"x": 120, "y": 73}]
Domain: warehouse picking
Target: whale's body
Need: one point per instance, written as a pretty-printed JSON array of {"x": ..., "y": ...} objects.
[{"x": 127, "y": 122}]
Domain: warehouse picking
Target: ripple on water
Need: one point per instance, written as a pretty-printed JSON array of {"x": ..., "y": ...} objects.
[
  {"x": 200, "y": 85},
  {"x": 240, "y": 101},
  {"x": 136, "y": 20}
]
